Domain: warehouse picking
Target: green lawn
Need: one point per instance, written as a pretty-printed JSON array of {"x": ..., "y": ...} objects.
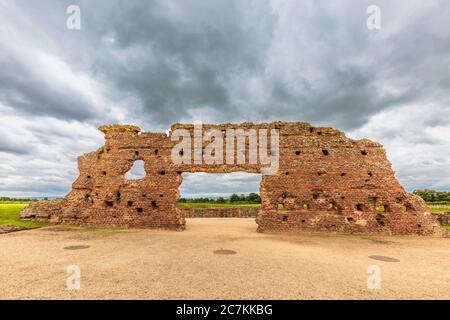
[
  {"x": 9, "y": 215},
  {"x": 219, "y": 205},
  {"x": 439, "y": 209}
]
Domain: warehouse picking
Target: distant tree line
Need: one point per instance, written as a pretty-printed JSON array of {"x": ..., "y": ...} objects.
[
  {"x": 234, "y": 198},
  {"x": 5, "y": 199},
  {"x": 433, "y": 195}
]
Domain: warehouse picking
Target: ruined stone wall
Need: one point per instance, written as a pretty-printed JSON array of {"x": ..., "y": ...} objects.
[
  {"x": 325, "y": 181},
  {"x": 101, "y": 195},
  {"x": 211, "y": 212},
  {"x": 46, "y": 210}
]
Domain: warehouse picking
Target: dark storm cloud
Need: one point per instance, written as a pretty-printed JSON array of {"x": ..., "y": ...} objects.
[
  {"x": 314, "y": 61},
  {"x": 189, "y": 61},
  {"x": 30, "y": 97},
  {"x": 183, "y": 60},
  {"x": 155, "y": 63},
  {"x": 194, "y": 56}
]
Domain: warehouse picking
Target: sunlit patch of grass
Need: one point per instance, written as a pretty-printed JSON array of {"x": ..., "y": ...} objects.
[
  {"x": 9, "y": 215},
  {"x": 439, "y": 209}
]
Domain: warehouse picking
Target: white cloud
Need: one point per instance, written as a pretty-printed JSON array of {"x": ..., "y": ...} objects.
[{"x": 417, "y": 141}]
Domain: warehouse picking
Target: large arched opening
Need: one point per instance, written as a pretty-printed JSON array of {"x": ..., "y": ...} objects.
[{"x": 220, "y": 195}]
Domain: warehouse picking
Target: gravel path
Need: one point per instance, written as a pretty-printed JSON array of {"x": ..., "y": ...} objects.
[{"x": 156, "y": 264}]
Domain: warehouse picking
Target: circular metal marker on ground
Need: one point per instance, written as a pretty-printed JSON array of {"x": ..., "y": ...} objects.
[
  {"x": 76, "y": 247},
  {"x": 383, "y": 258},
  {"x": 225, "y": 251}
]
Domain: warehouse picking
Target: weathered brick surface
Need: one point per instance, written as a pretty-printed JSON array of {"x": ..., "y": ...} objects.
[
  {"x": 325, "y": 181},
  {"x": 211, "y": 212},
  {"x": 43, "y": 211},
  {"x": 443, "y": 218}
]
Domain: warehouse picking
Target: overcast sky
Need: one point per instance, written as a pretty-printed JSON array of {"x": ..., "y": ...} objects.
[{"x": 154, "y": 63}]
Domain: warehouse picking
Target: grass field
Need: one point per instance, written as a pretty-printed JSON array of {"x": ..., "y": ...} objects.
[
  {"x": 9, "y": 215},
  {"x": 439, "y": 209}
]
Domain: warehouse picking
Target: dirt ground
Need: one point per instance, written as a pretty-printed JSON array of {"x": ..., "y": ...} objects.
[{"x": 156, "y": 264}]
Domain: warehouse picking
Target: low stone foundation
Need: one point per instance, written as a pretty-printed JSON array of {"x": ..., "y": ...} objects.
[
  {"x": 51, "y": 211},
  {"x": 47, "y": 211},
  {"x": 279, "y": 221},
  {"x": 425, "y": 224},
  {"x": 212, "y": 212},
  {"x": 9, "y": 229},
  {"x": 443, "y": 218}
]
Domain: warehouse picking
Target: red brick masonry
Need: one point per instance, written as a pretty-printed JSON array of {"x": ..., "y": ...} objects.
[
  {"x": 325, "y": 181},
  {"x": 212, "y": 212}
]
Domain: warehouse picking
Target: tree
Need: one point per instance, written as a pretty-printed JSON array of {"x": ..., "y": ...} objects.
[
  {"x": 221, "y": 200},
  {"x": 432, "y": 195},
  {"x": 254, "y": 198},
  {"x": 427, "y": 195},
  {"x": 234, "y": 198}
]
